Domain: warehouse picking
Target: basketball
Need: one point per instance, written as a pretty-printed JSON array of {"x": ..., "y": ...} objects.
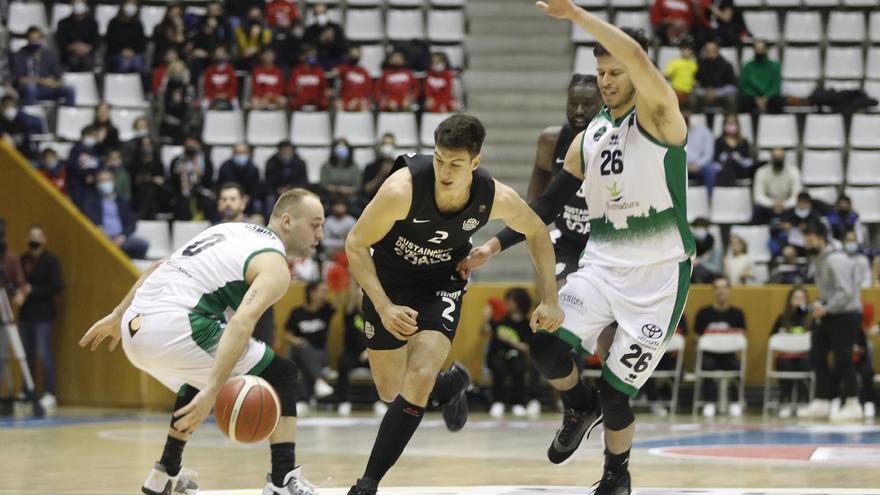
[{"x": 247, "y": 409}]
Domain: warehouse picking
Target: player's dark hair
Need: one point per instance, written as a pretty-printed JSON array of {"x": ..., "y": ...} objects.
[
  {"x": 460, "y": 132},
  {"x": 637, "y": 34},
  {"x": 521, "y": 298},
  {"x": 582, "y": 79},
  {"x": 232, "y": 185}
]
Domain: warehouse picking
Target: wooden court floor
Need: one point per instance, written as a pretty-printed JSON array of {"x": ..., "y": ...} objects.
[{"x": 91, "y": 451}]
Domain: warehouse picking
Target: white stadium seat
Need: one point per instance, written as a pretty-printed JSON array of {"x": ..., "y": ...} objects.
[
  {"x": 364, "y": 25},
  {"x": 821, "y": 3},
  {"x": 158, "y": 234},
  {"x": 798, "y": 88},
  {"x": 763, "y": 24},
  {"x": 863, "y": 131},
  {"x": 430, "y": 121},
  {"x": 777, "y": 131},
  {"x": 372, "y": 58},
  {"x": 455, "y": 54},
  {"x": 872, "y": 66},
  {"x": 757, "y": 238},
  {"x": 664, "y": 55},
  {"x": 266, "y": 127},
  {"x": 697, "y": 203},
  {"x": 103, "y": 14},
  {"x": 223, "y": 127},
  {"x": 874, "y": 27},
  {"x": 584, "y": 61},
  {"x": 828, "y": 194},
  {"x": 84, "y": 86},
  {"x": 406, "y": 3},
  {"x": 633, "y": 18},
  {"x": 872, "y": 89},
  {"x": 745, "y": 126},
  {"x": 405, "y": 24},
  {"x": 846, "y": 27},
  {"x": 151, "y": 16},
  {"x": 123, "y": 119},
  {"x": 748, "y": 3},
  {"x": 803, "y": 27},
  {"x": 446, "y": 26},
  {"x": 821, "y": 167},
  {"x": 731, "y": 205},
  {"x": 71, "y": 120},
  {"x": 401, "y": 124},
  {"x": 124, "y": 90},
  {"x": 866, "y": 201},
  {"x": 628, "y": 4},
  {"x": 183, "y": 231},
  {"x": 582, "y": 36},
  {"x": 863, "y": 168},
  {"x": 23, "y": 15},
  {"x": 860, "y": 3},
  {"x": 62, "y": 148},
  {"x": 167, "y": 155},
  {"x": 782, "y": 3},
  {"x": 364, "y": 156},
  {"x": 310, "y": 129},
  {"x": 60, "y": 11},
  {"x": 219, "y": 156},
  {"x": 801, "y": 63},
  {"x": 260, "y": 156},
  {"x": 844, "y": 63},
  {"x": 314, "y": 158},
  {"x": 824, "y": 131},
  {"x": 356, "y": 127}
]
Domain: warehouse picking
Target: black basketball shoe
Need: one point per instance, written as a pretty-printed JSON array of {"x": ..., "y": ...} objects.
[
  {"x": 455, "y": 412},
  {"x": 575, "y": 425},
  {"x": 364, "y": 486},
  {"x": 613, "y": 484}
]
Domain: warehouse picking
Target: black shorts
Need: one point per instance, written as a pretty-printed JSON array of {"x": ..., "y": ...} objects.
[
  {"x": 439, "y": 308},
  {"x": 567, "y": 258}
]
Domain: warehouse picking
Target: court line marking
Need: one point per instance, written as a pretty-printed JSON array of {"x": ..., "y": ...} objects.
[
  {"x": 500, "y": 489},
  {"x": 664, "y": 452}
]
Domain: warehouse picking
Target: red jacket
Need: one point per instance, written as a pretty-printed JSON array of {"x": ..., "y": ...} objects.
[
  {"x": 438, "y": 86},
  {"x": 158, "y": 75},
  {"x": 59, "y": 179},
  {"x": 680, "y": 10},
  {"x": 267, "y": 81},
  {"x": 356, "y": 83},
  {"x": 308, "y": 86},
  {"x": 221, "y": 83},
  {"x": 397, "y": 84},
  {"x": 277, "y": 10}
]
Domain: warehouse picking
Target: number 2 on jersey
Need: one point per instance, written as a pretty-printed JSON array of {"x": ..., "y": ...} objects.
[
  {"x": 440, "y": 236},
  {"x": 202, "y": 244},
  {"x": 611, "y": 162}
]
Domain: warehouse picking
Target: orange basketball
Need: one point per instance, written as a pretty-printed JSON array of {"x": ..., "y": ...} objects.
[{"x": 247, "y": 409}]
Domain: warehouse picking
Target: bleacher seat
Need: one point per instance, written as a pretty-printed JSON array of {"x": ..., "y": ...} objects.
[
  {"x": 721, "y": 343},
  {"x": 314, "y": 158},
  {"x": 874, "y": 27},
  {"x": 745, "y": 126},
  {"x": 827, "y": 194},
  {"x": 748, "y": 3},
  {"x": 334, "y": 13},
  {"x": 778, "y": 4},
  {"x": 764, "y": 24},
  {"x": 60, "y": 11},
  {"x": 401, "y": 124},
  {"x": 860, "y": 3},
  {"x": 103, "y": 14},
  {"x": 447, "y": 3},
  {"x": 872, "y": 89},
  {"x": 633, "y": 18},
  {"x": 664, "y": 55},
  {"x": 866, "y": 201},
  {"x": 364, "y": 156},
  {"x": 801, "y": 63},
  {"x": 872, "y": 64},
  {"x": 356, "y": 127},
  {"x": 628, "y": 4},
  {"x": 821, "y": 167},
  {"x": 824, "y": 131},
  {"x": 757, "y": 238},
  {"x": 821, "y": 3},
  {"x": 405, "y": 24},
  {"x": 23, "y": 15},
  {"x": 60, "y": 147},
  {"x": 582, "y": 36},
  {"x": 123, "y": 119},
  {"x": 71, "y": 120},
  {"x": 844, "y": 63},
  {"x": 697, "y": 203},
  {"x": 455, "y": 54},
  {"x": 39, "y": 112},
  {"x": 863, "y": 131},
  {"x": 430, "y": 121},
  {"x": 797, "y": 343},
  {"x": 84, "y": 85},
  {"x": 731, "y": 205},
  {"x": 777, "y": 131},
  {"x": 266, "y": 127},
  {"x": 803, "y": 27},
  {"x": 760, "y": 274},
  {"x": 446, "y": 26},
  {"x": 846, "y": 27},
  {"x": 363, "y": 3},
  {"x": 364, "y": 25},
  {"x": 219, "y": 155},
  {"x": 223, "y": 127},
  {"x": 863, "y": 168},
  {"x": 183, "y": 231},
  {"x": 372, "y": 58},
  {"x": 310, "y": 129},
  {"x": 124, "y": 90},
  {"x": 260, "y": 156},
  {"x": 167, "y": 154},
  {"x": 798, "y": 88},
  {"x": 406, "y": 3},
  {"x": 151, "y": 16},
  {"x": 157, "y": 233},
  {"x": 584, "y": 61}
]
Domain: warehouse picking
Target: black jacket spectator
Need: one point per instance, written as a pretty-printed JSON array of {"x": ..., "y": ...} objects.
[
  {"x": 16, "y": 128},
  {"x": 327, "y": 36},
  {"x": 125, "y": 32},
  {"x": 285, "y": 171},
  {"x": 33, "y": 65},
  {"x": 93, "y": 208},
  {"x": 241, "y": 170},
  {"x": 77, "y": 38},
  {"x": 715, "y": 73},
  {"x": 43, "y": 273}
]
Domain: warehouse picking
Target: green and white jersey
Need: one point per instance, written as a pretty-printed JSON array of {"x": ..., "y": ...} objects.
[
  {"x": 206, "y": 277},
  {"x": 636, "y": 191}
]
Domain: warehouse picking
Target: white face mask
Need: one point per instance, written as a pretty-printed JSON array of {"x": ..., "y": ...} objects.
[
  {"x": 388, "y": 150},
  {"x": 80, "y": 8},
  {"x": 10, "y": 113},
  {"x": 130, "y": 9},
  {"x": 438, "y": 67},
  {"x": 851, "y": 247},
  {"x": 321, "y": 19},
  {"x": 700, "y": 233}
]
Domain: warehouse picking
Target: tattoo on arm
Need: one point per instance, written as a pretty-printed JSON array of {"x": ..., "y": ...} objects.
[{"x": 252, "y": 295}]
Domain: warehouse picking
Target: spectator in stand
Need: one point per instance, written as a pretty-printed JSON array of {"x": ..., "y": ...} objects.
[
  {"x": 356, "y": 91},
  {"x": 38, "y": 73},
  {"x": 720, "y": 317},
  {"x": 267, "y": 82},
  {"x": 241, "y": 170},
  {"x": 397, "y": 88},
  {"x": 738, "y": 264},
  {"x": 252, "y": 37},
  {"x": 14, "y": 127},
  {"x": 673, "y": 20},
  {"x": 288, "y": 45},
  {"x": 307, "y": 86},
  {"x": 707, "y": 263},
  {"x": 438, "y": 92},
  {"x": 775, "y": 188},
  {"x": 733, "y": 154},
  {"x": 760, "y": 83},
  {"x": 853, "y": 248},
  {"x": 149, "y": 187},
  {"x": 221, "y": 86},
  {"x": 170, "y": 33},
  {"x": 52, "y": 169},
  {"x": 327, "y": 36},
  {"x": 284, "y": 170},
  {"x": 716, "y": 81},
  {"x": 83, "y": 163},
  {"x": 280, "y": 14},
  {"x": 795, "y": 221},
  {"x": 205, "y": 42},
  {"x": 191, "y": 183},
  {"x": 308, "y": 327},
  {"x": 796, "y": 318},
  {"x": 682, "y": 71},
  {"x": 43, "y": 273},
  {"x": 376, "y": 172},
  {"x": 507, "y": 355},
  {"x": 723, "y": 21},
  {"x": 223, "y": 32},
  {"x": 77, "y": 37},
  {"x": 176, "y": 108},
  {"x": 701, "y": 165},
  {"x": 340, "y": 177},
  {"x": 121, "y": 179},
  {"x": 790, "y": 268},
  {"x": 238, "y": 9},
  {"x": 843, "y": 219},
  {"x": 158, "y": 74},
  {"x": 125, "y": 40},
  {"x": 113, "y": 215},
  {"x": 336, "y": 228},
  {"x": 108, "y": 135}
]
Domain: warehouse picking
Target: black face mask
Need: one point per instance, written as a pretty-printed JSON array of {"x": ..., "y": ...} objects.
[
  {"x": 812, "y": 251},
  {"x": 34, "y": 245},
  {"x": 761, "y": 57},
  {"x": 778, "y": 164}
]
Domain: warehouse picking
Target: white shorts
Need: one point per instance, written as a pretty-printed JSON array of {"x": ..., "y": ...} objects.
[
  {"x": 646, "y": 302},
  {"x": 178, "y": 348}
]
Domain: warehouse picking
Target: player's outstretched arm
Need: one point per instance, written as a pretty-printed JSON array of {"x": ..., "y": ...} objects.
[{"x": 269, "y": 279}]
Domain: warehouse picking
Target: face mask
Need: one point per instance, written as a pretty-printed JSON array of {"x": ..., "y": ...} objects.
[
  {"x": 311, "y": 60},
  {"x": 139, "y": 133},
  {"x": 844, "y": 212},
  {"x": 438, "y": 67},
  {"x": 80, "y": 8},
  {"x": 354, "y": 60},
  {"x": 130, "y": 9},
  {"x": 731, "y": 128},
  {"x": 851, "y": 247},
  {"x": 761, "y": 57},
  {"x": 221, "y": 62},
  {"x": 321, "y": 19},
  {"x": 10, "y": 113},
  {"x": 388, "y": 150},
  {"x": 34, "y": 245},
  {"x": 52, "y": 164},
  {"x": 701, "y": 233},
  {"x": 812, "y": 251},
  {"x": 240, "y": 160},
  {"x": 802, "y": 212},
  {"x": 34, "y": 46},
  {"x": 192, "y": 152},
  {"x": 105, "y": 188},
  {"x": 778, "y": 164},
  {"x": 89, "y": 142},
  {"x": 298, "y": 32},
  {"x": 341, "y": 152},
  {"x": 114, "y": 164}
]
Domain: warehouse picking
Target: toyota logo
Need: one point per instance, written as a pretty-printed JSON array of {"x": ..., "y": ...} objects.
[{"x": 651, "y": 331}]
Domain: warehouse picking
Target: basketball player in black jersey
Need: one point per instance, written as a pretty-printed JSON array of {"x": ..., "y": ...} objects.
[{"x": 419, "y": 226}]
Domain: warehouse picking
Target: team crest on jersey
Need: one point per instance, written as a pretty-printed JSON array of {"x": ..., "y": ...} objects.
[
  {"x": 601, "y": 132},
  {"x": 470, "y": 224},
  {"x": 369, "y": 331}
]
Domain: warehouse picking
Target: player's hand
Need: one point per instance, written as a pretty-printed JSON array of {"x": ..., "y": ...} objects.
[
  {"x": 477, "y": 258},
  {"x": 560, "y": 9},
  {"x": 547, "y": 317},
  {"x": 107, "y": 326},
  {"x": 190, "y": 416},
  {"x": 400, "y": 321}
]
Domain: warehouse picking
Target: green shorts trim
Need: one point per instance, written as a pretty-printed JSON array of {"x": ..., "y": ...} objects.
[
  {"x": 264, "y": 361},
  {"x": 617, "y": 383},
  {"x": 569, "y": 338}
]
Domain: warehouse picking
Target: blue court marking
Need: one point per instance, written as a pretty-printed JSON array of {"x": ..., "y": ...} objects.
[{"x": 770, "y": 437}]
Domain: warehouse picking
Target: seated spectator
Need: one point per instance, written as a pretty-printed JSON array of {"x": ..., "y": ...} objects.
[
  {"x": 733, "y": 155},
  {"x": 108, "y": 135},
  {"x": 760, "y": 83},
  {"x": 223, "y": 32},
  {"x": 356, "y": 85},
  {"x": 336, "y": 228},
  {"x": 775, "y": 187},
  {"x": 682, "y": 71},
  {"x": 232, "y": 201},
  {"x": 354, "y": 351},
  {"x": 723, "y": 21},
  {"x": 126, "y": 41},
  {"x": 716, "y": 81},
  {"x": 856, "y": 252},
  {"x": 52, "y": 169},
  {"x": 176, "y": 109},
  {"x": 397, "y": 88},
  {"x": 288, "y": 44},
  {"x": 280, "y": 14},
  {"x": 327, "y": 37},
  {"x": 38, "y": 73},
  {"x": 376, "y": 172},
  {"x": 308, "y": 327},
  {"x": 149, "y": 187},
  {"x": 121, "y": 179},
  {"x": 794, "y": 221},
  {"x": 707, "y": 263},
  {"x": 83, "y": 163},
  {"x": 790, "y": 268},
  {"x": 340, "y": 177},
  {"x": 170, "y": 33},
  {"x": 241, "y": 170},
  {"x": 843, "y": 219},
  {"x": 114, "y": 216},
  {"x": 307, "y": 86},
  {"x": 738, "y": 264},
  {"x": 252, "y": 37},
  {"x": 507, "y": 356},
  {"x": 796, "y": 318},
  {"x": 267, "y": 82},
  {"x": 205, "y": 41},
  {"x": 673, "y": 20},
  {"x": 438, "y": 92},
  {"x": 158, "y": 74},
  {"x": 14, "y": 127},
  {"x": 284, "y": 170},
  {"x": 191, "y": 183},
  {"x": 221, "y": 86},
  {"x": 720, "y": 317},
  {"x": 77, "y": 37},
  {"x": 701, "y": 165}
]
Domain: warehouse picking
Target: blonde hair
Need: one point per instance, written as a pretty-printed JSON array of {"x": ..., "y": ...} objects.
[{"x": 290, "y": 199}]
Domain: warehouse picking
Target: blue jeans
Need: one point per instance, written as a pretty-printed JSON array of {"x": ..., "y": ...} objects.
[
  {"x": 126, "y": 65},
  {"x": 135, "y": 247},
  {"x": 32, "y": 93},
  {"x": 37, "y": 340}
]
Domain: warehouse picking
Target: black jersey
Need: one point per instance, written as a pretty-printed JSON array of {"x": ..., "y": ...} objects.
[
  {"x": 574, "y": 221},
  {"x": 425, "y": 247}
]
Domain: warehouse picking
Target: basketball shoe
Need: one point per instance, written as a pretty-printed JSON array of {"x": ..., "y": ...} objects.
[
  {"x": 159, "y": 482},
  {"x": 575, "y": 425},
  {"x": 455, "y": 412},
  {"x": 294, "y": 484},
  {"x": 364, "y": 486},
  {"x": 613, "y": 484}
]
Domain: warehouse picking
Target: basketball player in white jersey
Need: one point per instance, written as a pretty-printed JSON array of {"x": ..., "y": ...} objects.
[
  {"x": 630, "y": 166},
  {"x": 189, "y": 320}
]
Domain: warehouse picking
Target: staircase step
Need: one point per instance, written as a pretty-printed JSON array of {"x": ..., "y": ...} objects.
[
  {"x": 519, "y": 62},
  {"x": 499, "y": 81},
  {"x": 551, "y": 102},
  {"x": 500, "y": 118},
  {"x": 552, "y": 46},
  {"x": 525, "y": 10},
  {"x": 501, "y": 26}
]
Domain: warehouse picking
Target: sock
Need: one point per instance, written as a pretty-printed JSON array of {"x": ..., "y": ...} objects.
[
  {"x": 397, "y": 428},
  {"x": 172, "y": 454},
  {"x": 447, "y": 386},
  {"x": 283, "y": 461},
  {"x": 578, "y": 397},
  {"x": 616, "y": 463}
]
